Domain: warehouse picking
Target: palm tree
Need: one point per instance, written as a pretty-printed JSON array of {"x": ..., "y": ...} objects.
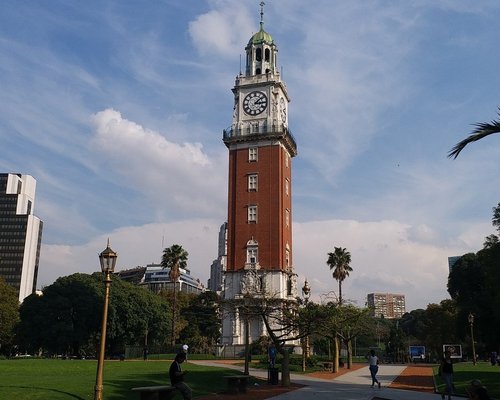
[
  {"x": 174, "y": 258},
  {"x": 339, "y": 261},
  {"x": 482, "y": 129}
]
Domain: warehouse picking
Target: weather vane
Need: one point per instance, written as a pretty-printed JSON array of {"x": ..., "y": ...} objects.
[{"x": 262, "y": 4}]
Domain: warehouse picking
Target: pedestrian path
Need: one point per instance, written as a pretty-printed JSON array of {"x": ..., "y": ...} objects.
[{"x": 354, "y": 385}]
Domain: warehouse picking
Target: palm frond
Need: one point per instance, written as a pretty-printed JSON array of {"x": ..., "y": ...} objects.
[{"x": 482, "y": 129}]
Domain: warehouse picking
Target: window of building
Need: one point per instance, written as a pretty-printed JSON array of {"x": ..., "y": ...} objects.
[
  {"x": 252, "y": 153},
  {"x": 287, "y": 218},
  {"x": 287, "y": 159},
  {"x": 289, "y": 285},
  {"x": 267, "y": 55},
  {"x": 252, "y": 213},
  {"x": 252, "y": 182},
  {"x": 287, "y": 186},
  {"x": 252, "y": 252},
  {"x": 258, "y": 54}
]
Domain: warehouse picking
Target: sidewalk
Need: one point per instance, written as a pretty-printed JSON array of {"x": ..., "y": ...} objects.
[{"x": 353, "y": 385}]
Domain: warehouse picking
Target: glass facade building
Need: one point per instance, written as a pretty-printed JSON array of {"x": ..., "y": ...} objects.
[{"x": 20, "y": 233}]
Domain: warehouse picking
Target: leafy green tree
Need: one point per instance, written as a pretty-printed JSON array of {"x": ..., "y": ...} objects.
[
  {"x": 496, "y": 217},
  {"x": 174, "y": 257},
  {"x": 339, "y": 261},
  {"x": 63, "y": 319},
  {"x": 482, "y": 130},
  {"x": 473, "y": 284},
  {"x": 439, "y": 326},
  {"x": 331, "y": 325},
  {"x": 9, "y": 315},
  {"x": 204, "y": 327},
  {"x": 353, "y": 322},
  {"x": 133, "y": 314},
  {"x": 285, "y": 322},
  {"x": 487, "y": 317},
  {"x": 490, "y": 241},
  {"x": 66, "y": 318},
  {"x": 466, "y": 284}
]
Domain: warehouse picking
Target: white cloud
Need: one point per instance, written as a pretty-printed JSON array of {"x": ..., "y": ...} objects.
[
  {"x": 385, "y": 255},
  {"x": 222, "y": 31},
  {"x": 171, "y": 175},
  {"x": 135, "y": 245}
]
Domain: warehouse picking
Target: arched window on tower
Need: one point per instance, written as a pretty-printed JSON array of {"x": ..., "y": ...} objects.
[
  {"x": 289, "y": 285},
  {"x": 258, "y": 54},
  {"x": 267, "y": 55},
  {"x": 252, "y": 251}
]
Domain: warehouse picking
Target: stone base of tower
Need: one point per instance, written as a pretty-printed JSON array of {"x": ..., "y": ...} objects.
[{"x": 246, "y": 289}]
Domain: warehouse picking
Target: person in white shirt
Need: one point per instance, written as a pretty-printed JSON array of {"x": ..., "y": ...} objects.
[
  {"x": 184, "y": 349},
  {"x": 373, "y": 365}
]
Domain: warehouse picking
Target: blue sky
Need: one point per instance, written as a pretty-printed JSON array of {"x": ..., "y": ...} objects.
[{"x": 117, "y": 109}]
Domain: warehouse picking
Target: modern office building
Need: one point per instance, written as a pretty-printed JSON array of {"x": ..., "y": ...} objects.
[
  {"x": 259, "y": 228},
  {"x": 155, "y": 278},
  {"x": 218, "y": 267},
  {"x": 20, "y": 233},
  {"x": 452, "y": 261},
  {"x": 386, "y": 305}
]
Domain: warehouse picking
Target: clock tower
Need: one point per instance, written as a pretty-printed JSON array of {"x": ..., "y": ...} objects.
[{"x": 261, "y": 148}]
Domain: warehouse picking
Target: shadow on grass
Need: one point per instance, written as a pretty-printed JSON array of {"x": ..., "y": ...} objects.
[
  {"x": 202, "y": 382},
  {"x": 462, "y": 379},
  {"x": 74, "y": 396}
]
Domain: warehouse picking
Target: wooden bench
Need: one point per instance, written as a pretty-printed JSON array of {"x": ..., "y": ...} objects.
[
  {"x": 328, "y": 366},
  {"x": 237, "y": 383},
  {"x": 155, "y": 392}
]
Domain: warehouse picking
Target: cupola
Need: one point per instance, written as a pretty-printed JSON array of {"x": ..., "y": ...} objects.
[{"x": 261, "y": 51}]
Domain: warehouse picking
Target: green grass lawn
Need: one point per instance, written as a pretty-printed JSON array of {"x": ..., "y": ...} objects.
[
  {"x": 40, "y": 379},
  {"x": 465, "y": 372}
]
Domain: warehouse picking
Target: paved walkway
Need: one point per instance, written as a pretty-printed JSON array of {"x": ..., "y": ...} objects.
[{"x": 353, "y": 385}]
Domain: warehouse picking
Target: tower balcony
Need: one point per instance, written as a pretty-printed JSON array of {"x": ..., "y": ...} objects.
[{"x": 257, "y": 133}]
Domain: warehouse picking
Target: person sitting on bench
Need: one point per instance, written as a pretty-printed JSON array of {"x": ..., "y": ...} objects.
[{"x": 177, "y": 376}]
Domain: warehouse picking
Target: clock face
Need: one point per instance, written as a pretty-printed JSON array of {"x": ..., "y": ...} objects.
[
  {"x": 283, "y": 109},
  {"x": 254, "y": 103}
]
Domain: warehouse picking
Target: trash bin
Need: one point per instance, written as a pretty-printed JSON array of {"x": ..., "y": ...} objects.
[{"x": 273, "y": 376}]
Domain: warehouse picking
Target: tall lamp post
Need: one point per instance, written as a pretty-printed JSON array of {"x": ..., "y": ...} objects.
[
  {"x": 471, "y": 322},
  {"x": 306, "y": 292},
  {"x": 108, "y": 261}
]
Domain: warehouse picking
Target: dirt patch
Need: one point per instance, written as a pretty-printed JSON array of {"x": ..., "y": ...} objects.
[{"x": 418, "y": 378}]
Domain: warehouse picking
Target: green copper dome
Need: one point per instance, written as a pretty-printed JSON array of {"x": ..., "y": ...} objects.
[{"x": 261, "y": 37}]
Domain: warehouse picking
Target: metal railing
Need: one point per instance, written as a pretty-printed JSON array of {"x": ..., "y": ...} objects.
[{"x": 256, "y": 130}]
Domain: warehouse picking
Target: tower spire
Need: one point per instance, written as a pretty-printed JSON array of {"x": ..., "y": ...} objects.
[{"x": 262, "y": 4}]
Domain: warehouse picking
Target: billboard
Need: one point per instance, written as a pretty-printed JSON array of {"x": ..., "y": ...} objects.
[
  {"x": 454, "y": 349},
  {"x": 417, "y": 352}
]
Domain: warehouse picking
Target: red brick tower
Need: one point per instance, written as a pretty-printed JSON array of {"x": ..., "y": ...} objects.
[{"x": 261, "y": 147}]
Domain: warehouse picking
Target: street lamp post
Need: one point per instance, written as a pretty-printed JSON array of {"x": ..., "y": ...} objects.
[
  {"x": 306, "y": 292},
  {"x": 108, "y": 262},
  {"x": 471, "y": 322}
]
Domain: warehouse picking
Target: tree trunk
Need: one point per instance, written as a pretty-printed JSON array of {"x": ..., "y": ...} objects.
[
  {"x": 285, "y": 368},
  {"x": 336, "y": 353},
  {"x": 174, "y": 306},
  {"x": 349, "y": 353}
]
